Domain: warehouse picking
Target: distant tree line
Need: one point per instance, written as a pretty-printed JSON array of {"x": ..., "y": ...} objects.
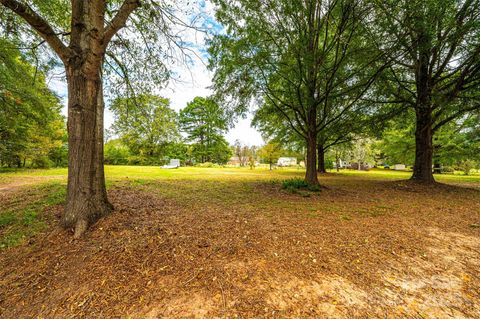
[
  {"x": 32, "y": 129},
  {"x": 148, "y": 132}
]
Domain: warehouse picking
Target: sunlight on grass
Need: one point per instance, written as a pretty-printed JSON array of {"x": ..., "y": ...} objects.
[
  {"x": 20, "y": 219},
  {"x": 115, "y": 173}
]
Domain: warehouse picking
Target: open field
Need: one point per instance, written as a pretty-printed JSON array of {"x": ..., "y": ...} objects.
[{"x": 231, "y": 243}]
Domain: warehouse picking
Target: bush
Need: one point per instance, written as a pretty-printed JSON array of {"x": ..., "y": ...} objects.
[
  {"x": 298, "y": 183},
  {"x": 329, "y": 164},
  {"x": 294, "y": 183},
  {"x": 41, "y": 162},
  {"x": 448, "y": 169},
  {"x": 466, "y": 166}
]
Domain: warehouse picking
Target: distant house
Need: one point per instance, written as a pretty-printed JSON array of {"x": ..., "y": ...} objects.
[
  {"x": 399, "y": 167},
  {"x": 287, "y": 161},
  {"x": 342, "y": 164}
]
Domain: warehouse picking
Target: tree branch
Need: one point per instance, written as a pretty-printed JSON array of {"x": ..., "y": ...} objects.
[
  {"x": 119, "y": 20},
  {"x": 40, "y": 25}
]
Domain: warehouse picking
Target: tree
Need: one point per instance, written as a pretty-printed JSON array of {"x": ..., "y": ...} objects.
[
  {"x": 270, "y": 153},
  {"x": 205, "y": 122},
  {"x": 241, "y": 151},
  {"x": 454, "y": 142},
  {"x": 146, "y": 125},
  {"x": 31, "y": 126},
  {"x": 116, "y": 153},
  {"x": 309, "y": 61},
  {"x": 90, "y": 26},
  {"x": 434, "y": 46}
]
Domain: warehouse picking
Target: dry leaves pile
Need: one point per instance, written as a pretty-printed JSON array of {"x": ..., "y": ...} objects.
[{"x": 358, "y": 249}]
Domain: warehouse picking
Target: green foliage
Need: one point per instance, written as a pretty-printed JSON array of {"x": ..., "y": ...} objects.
[
  {"x": 467, "y": 165},
  {"x": 147, "y": 128},
  {"x": 31, "y": 127},
  {"x": 454, "y": 142},
  {"x": 205, "y": 122},
  {"x": 25, "y": 219},
  {"x": 116, "y": 153},
  {"x": 270, "y": 152},
  {"x": 296, "y": 184}
]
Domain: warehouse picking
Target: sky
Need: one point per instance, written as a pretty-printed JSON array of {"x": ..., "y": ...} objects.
[{"x": 192, "y": 80}]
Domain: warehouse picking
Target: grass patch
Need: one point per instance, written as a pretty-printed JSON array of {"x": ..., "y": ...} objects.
[
  {"x": 295, "y": 184},
  {"x": 22, "y": 220}
]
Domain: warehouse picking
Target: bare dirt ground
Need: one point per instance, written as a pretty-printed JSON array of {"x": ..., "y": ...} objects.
[
  {"x": 246, "y": 249},
  {"x": 17, "y": 183}
]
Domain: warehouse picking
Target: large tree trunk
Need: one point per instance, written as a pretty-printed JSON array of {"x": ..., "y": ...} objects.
[
  {"x": 86, "y": 193},
  {"x": 321, "y": 159},
  {"x": 311, "y": 177},
  {"x": 422, "y": 171},
  {"x": 90, "y": 35}
]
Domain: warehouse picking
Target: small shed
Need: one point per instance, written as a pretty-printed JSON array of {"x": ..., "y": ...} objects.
[{"x": 399, "y": 167}]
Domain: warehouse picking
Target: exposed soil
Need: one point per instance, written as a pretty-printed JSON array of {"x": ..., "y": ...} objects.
[
  {"x": 198, "y": 249},
  {"x": 17, "y": 183}
]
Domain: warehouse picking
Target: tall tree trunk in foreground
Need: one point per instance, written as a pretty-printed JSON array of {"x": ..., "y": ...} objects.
[
  {"x": 422, "y": 171},
  {"x": 83, "y": 59},
  {"x": 87, "y": 196},
  {"x": 321, "y": 159}
]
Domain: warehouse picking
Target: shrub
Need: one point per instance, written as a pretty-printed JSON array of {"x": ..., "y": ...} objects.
[
  {"x": 448, "y": 169},
  {"x": 466, "y": 166},
  {"x": 294, "y": 183},
  {"x": 298, "y": 183},
  {"x": 41, "y": 162}
]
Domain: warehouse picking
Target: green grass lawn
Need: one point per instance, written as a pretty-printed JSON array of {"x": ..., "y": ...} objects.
[
  {"x": 30, "y": 192},
  {"x": 114, "y": 173}
]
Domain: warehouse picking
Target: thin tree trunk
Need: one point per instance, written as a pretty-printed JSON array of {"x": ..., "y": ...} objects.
[
  {"x": 311, "y": 177},
  {"x": 321, "y": 159},
  {"x": 86, "y": 197}
]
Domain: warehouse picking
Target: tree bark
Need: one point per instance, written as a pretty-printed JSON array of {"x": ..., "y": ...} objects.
[
  {"x": 86, "y": 193},
  {"x": 321, "y": 159},
  {"x": 311, "y": 177},
  {"x": 422, "y": 170},
  {"x": 83, "y": 59}
]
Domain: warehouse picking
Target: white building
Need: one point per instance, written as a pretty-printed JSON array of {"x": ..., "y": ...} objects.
[{"x": 287, "y": 161}]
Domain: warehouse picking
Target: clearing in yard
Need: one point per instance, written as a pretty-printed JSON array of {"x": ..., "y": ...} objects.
[{"x": 231, "y": 243}]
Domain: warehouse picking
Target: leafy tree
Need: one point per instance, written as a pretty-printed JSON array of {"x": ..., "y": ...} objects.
[
  {"x": 146, "y": 125},
  {"x": 434, "y": 48},
  {"x": 241, "y": 152},
  {"x": 205, "y": 122},
  {"x": 270, "y": 153},
  {"x": 455, "y": 142},
  {"x": 31, "y": 126},
  {"x": 84, "y": 35},
  {"x": 309, "y": 61},
  {"x": 116, "y": 153}
]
